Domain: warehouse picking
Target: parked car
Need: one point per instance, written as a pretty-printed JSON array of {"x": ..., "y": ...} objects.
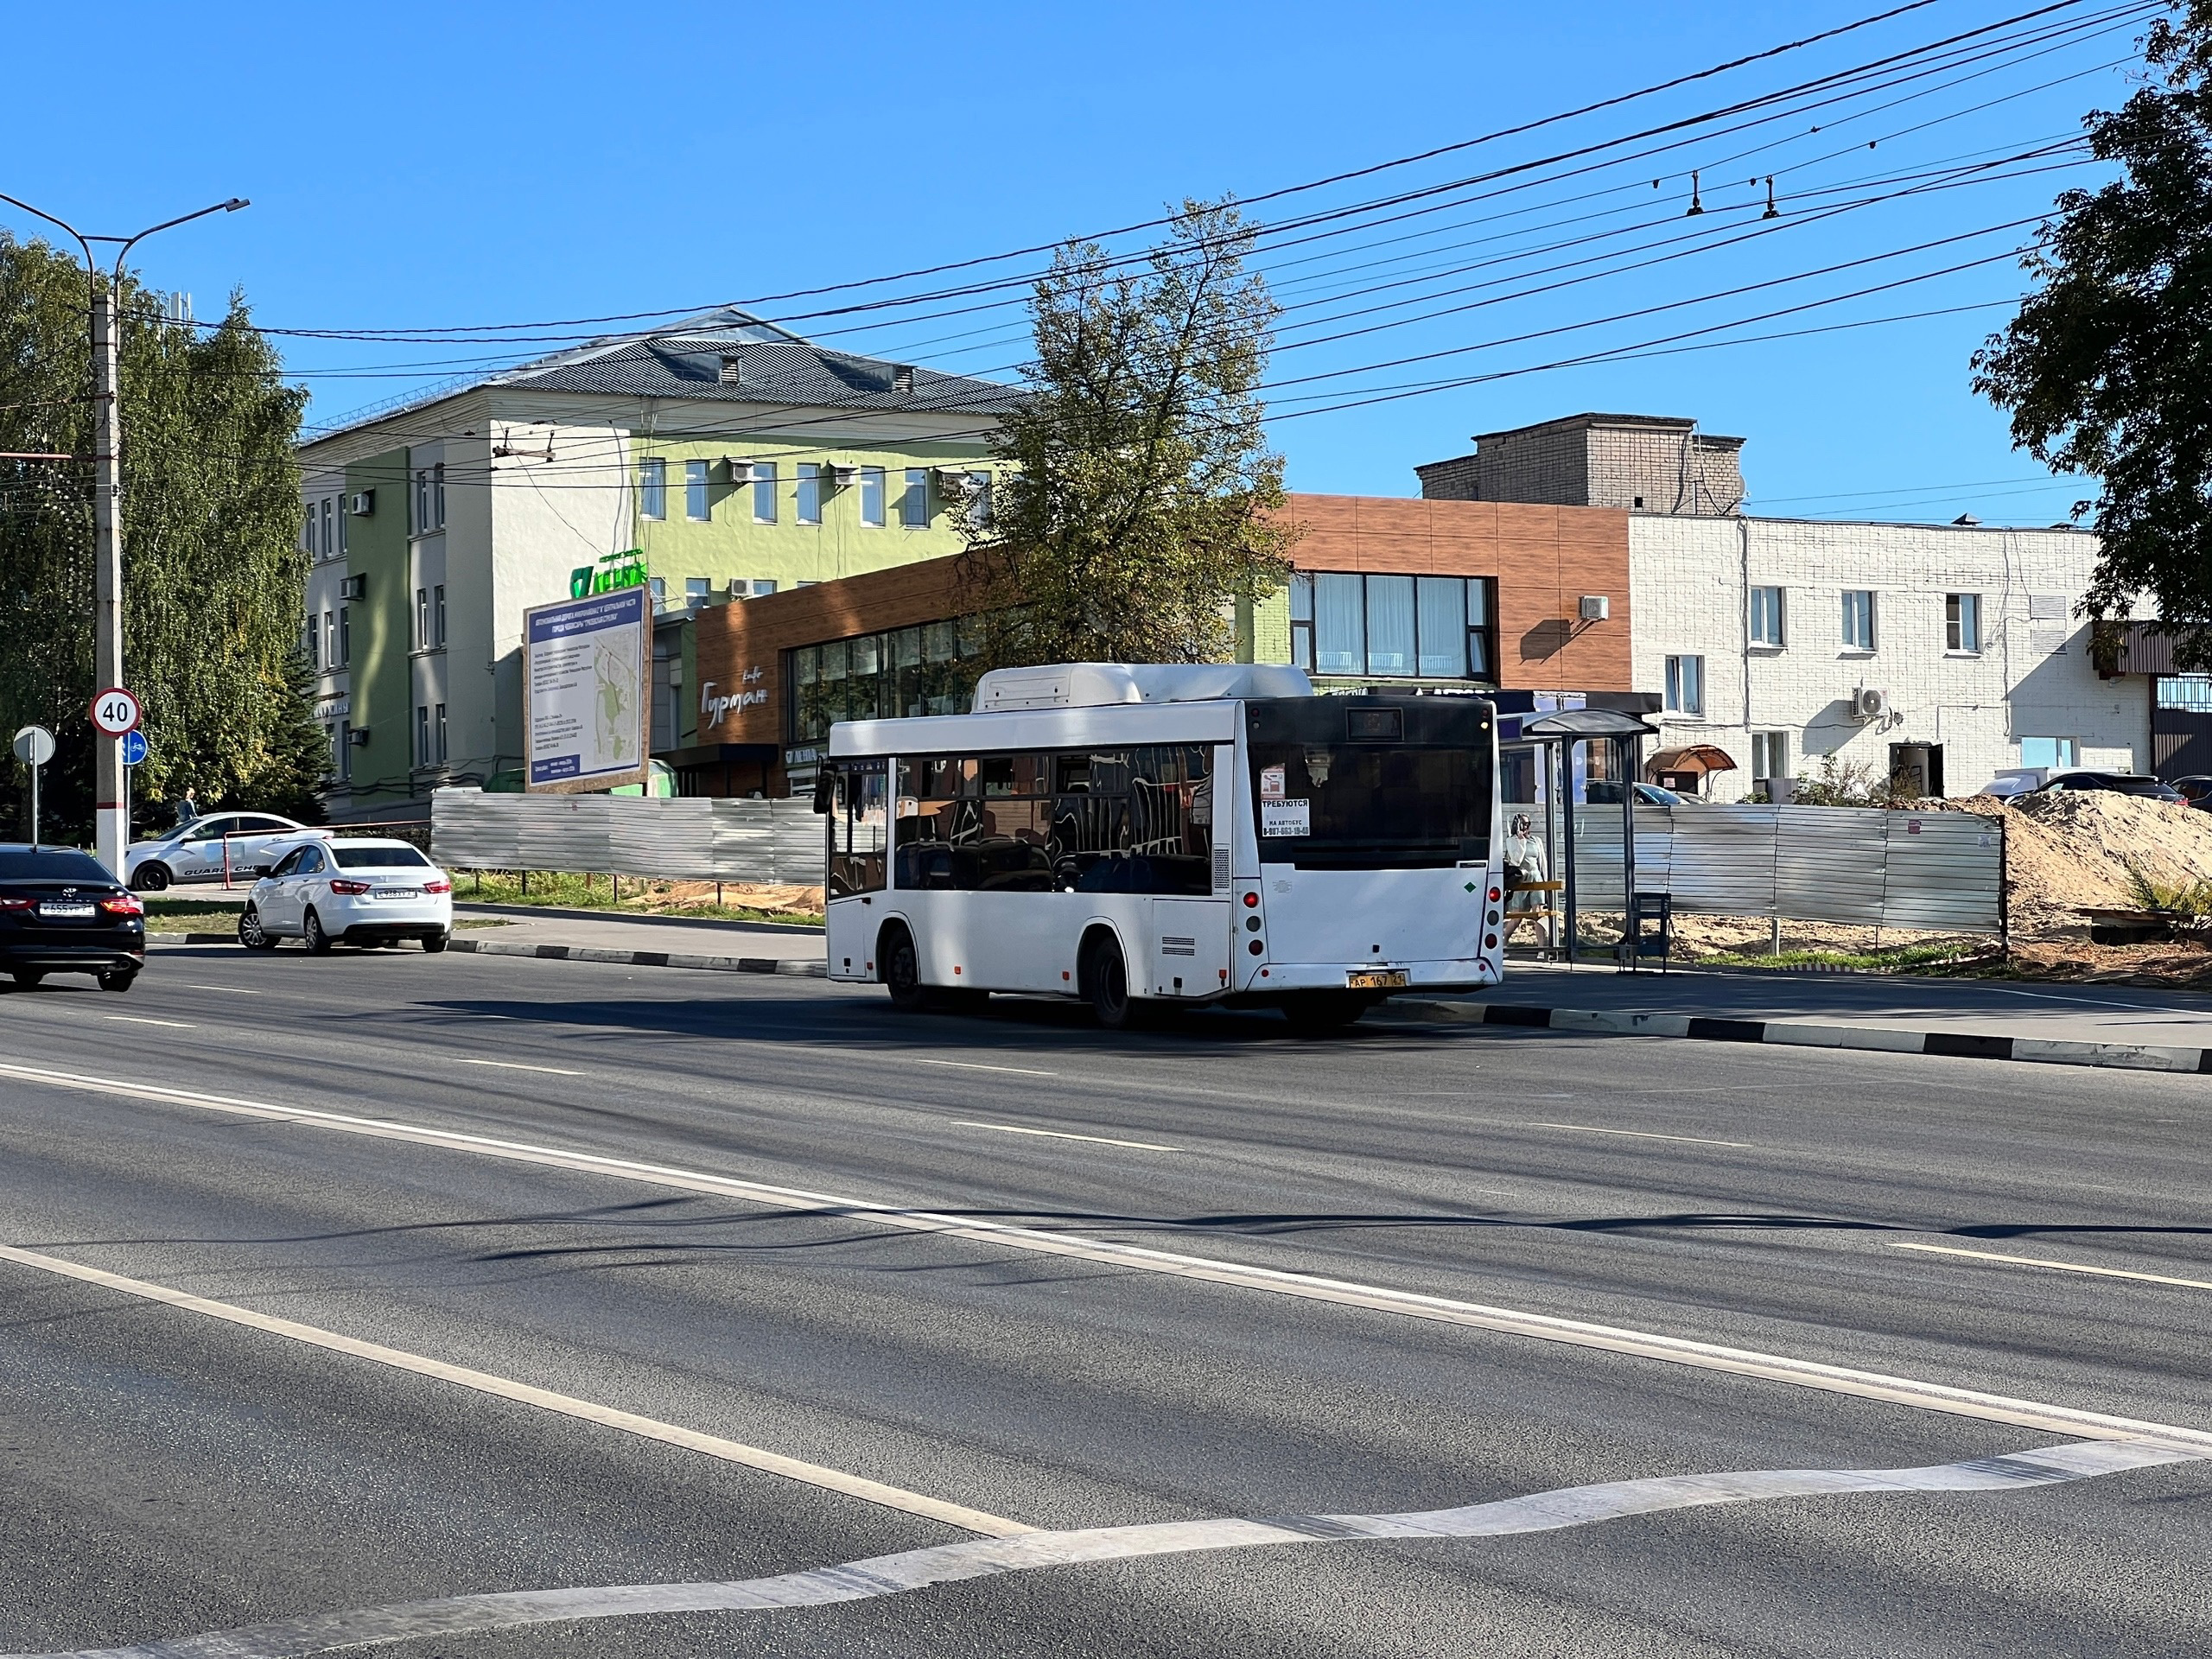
[
  {"x": 197, "y": 851},
  {"x": 1603, "y": 791},
  {"x": 62, "y": 912},
  {"x": 332, "y": 890},
  {"x": 2196, "y": 789},
  {"x": 2118, "y": 783}
]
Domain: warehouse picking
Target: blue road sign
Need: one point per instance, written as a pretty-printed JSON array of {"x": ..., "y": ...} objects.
[{"x": 134, "y": 748}]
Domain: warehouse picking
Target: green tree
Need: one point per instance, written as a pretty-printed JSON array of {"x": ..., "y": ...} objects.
[
  {"x": 212, "y": 571},
  {"x": 2106, "y": 370},
  {"x": 1141, "y": 501}
]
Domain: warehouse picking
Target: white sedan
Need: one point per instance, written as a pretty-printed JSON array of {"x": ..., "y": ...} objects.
[
  {"x": 208, "y": 848},
  {"x": 358, "y": 892}
]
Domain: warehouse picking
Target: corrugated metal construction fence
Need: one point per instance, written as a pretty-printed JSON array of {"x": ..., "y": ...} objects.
[
  {"x": 1938, "y": 871},
  {"x": 695, "y": 839}
]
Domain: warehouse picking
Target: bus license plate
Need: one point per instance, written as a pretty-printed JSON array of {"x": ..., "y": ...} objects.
[{"x": 1376, "y": 979}]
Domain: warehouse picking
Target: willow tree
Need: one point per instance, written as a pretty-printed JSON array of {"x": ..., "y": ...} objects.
[
  {"x": 212, "y": 571},
  {"x": 1140, "y": 498}
]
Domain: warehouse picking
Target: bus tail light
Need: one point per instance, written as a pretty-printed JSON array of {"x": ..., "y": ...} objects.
[
  {"x": 1490, "y": 941},
  {"x": 1251, "y": 901},
  {"x": 1496, "y": 894}
]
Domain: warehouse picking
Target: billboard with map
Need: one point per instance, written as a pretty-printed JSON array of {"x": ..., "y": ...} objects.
[{"x": 586, "y": 705}]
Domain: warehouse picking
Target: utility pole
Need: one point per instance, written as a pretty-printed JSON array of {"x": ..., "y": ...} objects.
[{"x": 111, "y": 816}]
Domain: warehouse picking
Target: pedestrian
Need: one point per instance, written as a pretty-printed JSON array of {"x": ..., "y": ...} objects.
[
  {"x": 187, "y": 809},
  {"x": 1526, "y": 866}
]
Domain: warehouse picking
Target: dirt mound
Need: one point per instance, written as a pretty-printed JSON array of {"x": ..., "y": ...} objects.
[{"x": 2066, "y": 852}]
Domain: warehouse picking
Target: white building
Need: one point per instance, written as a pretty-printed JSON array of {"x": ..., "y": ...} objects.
[{"x": 1764, "y": 637}]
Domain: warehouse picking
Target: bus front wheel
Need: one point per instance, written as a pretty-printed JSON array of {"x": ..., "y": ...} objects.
[{"x": 902, "y": 971}]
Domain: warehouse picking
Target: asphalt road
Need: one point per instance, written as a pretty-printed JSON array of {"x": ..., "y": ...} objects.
[{"x": 447, "y": 1216}]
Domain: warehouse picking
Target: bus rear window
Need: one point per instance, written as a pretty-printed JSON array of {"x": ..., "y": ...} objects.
[{"x": 1359, "y": 806}]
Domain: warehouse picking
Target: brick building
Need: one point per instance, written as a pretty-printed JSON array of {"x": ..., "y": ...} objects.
[{"x": 1642, "y": 463}]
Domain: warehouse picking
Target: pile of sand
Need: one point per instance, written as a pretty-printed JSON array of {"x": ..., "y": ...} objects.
[{"x": 2069, "y": 852}]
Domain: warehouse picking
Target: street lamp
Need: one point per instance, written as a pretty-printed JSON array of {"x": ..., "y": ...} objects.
[{"x": 112, "y": 818}]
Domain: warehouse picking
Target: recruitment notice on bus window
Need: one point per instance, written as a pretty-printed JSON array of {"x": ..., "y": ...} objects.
[{"x": 585, "y": 700}]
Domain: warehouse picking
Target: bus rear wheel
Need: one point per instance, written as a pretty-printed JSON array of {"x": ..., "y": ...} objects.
[
  {"x": 1106, "y": 983},
  {"x": 901, "y": 970},
  {"x": 1321, "y": 1014}
]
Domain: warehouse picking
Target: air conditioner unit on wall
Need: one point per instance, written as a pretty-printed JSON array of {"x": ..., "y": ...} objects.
[
  {"x": 362, "y": 503},
  {"x": 1866, "y": 703},
  {"x": 353, "y": 588}
]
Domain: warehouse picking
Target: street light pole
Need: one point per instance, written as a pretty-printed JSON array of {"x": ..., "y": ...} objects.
[{"x": 112, "y": 815}]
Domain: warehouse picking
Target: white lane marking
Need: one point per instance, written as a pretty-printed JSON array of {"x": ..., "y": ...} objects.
[
  {"x": 1543, "y": 1327},
  {"x": 234, "y": 990},
  {"x": 714, "y": 1445},
  {"x": 516, "y": 1066},
  {"x": 916, "y": 1569},
  {"x": 1640, "y": 1134},
  {"x": 970, "y": 1066},
  {"x": 141, "y": 1020},
  {"x": 1063, "y": 1135},
  {"x": 2063, "y": 1267}
]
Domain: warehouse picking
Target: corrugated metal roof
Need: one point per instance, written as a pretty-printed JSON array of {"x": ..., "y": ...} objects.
[{"x": 779, "y": 371}]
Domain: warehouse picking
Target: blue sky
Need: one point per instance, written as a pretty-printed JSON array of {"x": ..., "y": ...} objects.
[{"x": 418, "y": 166}]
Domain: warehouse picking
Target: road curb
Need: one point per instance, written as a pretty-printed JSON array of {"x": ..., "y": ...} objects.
[
  {"x": 792, "y": 969},
  {"x": 1960, "y": 1045}
]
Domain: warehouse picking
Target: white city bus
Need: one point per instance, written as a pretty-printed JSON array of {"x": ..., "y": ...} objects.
[{"x": 1144, "y": 836}]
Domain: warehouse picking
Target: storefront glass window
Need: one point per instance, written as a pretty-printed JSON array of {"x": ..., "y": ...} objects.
[
  {"x": 1340, "y": 636},
  {"x": 1390, "y": 624},
  {"x": 905, "y": 672}
]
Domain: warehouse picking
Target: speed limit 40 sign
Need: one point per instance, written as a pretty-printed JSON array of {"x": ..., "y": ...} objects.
[{"x": 115, "y": 712}]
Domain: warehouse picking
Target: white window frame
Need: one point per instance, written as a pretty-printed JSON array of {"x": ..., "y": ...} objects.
[
  {"x": 764, "y": 492},
  {"x": 438, "y": 610},
  {"x": 696, "y": 494},
  {"x": 1851, "y": 643},
  {"x": 873, "y": 483},
  {"x": 1685, "y": 692},
  {"x": 1962, "y": 624},
  {"x": 653, "y": 488},
  {"x": 1770, "y": 755},
  {"x": 1768, "y": 622},
  {"x": 806, "y": 507},
  {"x": 914, "y": 499}
]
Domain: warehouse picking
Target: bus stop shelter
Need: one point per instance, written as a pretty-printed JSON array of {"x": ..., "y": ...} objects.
[{"x": 1555, "y": 736}]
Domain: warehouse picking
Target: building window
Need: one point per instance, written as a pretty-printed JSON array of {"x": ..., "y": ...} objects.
[
  {"x": 1770, "y": 756},
  {"x": 914, "y": 500},
  {"x": 979, "y": 500},
  {"x": 1962, "y": 622},
  {"x": 930, "y": 670},
  {"x": 2051, "y": 753},
  {"x": 329, "y": 544},
  {"x": 438, "y": 613},
  {"x": 1301, "y": 622},
  {"x": 653, "y": 488},
  {"x": 1686, "y": 685},
  {"x": 422, "y": 734},
  {"x": 313, "y": 642},
  {"x": 307, "y": 535},
  {"x": 872, "y": 497},
  {"x": 2191, "y": 693},
  {"x": 1766, "y": 616},
  {"x": 345, "y": 750},
  {"x": 422, "y": 501},
  {"x": 694, "y": 590},
  {"x": 1392, "y": 627},
  {"x": 659, "y": 587},
  {"x": 809, "y": 510},
  {"x": 330, "y": 638},
  {"x": 438, "y": 496},
  {"x": 764, "y": 492},
  {"x": 695, "y": 490},
  {"x": 422, "y": 619},
  {"x": 344, "y": 636},
  {"x": 1858, "y": 619},
  {"x": 440, "y": 724},
  {"x": 763, "y": 586},
  {"x": 342, "y": 516}
]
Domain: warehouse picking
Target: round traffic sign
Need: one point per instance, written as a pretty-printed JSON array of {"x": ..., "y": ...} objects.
[
  {"x": 134, "y": 748},
  {"x": 34, "y": 746},
  {"x": 115, "y": 711}
]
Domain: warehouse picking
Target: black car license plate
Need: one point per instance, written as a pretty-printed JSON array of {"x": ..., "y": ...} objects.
[{"x": 65, "y": 912}]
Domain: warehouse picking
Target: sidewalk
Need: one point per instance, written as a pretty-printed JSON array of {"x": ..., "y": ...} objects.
[{"x": 2077, "y": 1024}]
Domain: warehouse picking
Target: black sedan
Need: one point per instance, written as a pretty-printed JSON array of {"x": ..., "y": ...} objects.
[
  {"x": 2118, "y": 783},
  {"x": 62, "y": 912}
]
